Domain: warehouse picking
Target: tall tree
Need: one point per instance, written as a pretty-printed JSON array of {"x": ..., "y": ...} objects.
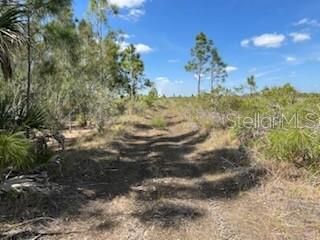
[
  {"x": 217, "y": 67},
  {"x": 200, "y": 54},
  {"x": 133, "y": 67},
  {"x": 35, "y": 11},
  {"x": 251, "y": 81},
  {"x": 113, "y": 74},
  {"x": 99, "y": 10}
]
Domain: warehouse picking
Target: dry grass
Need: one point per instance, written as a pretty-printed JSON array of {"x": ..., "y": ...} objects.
[
  {"x": 185, "y": 182},
  {"x": 219, "y": 139},
  {"x": 278, "y": 210}
]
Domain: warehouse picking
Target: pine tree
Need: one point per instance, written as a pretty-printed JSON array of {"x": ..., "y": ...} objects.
[
  {"x": 217, "y": 67},
  {"x": 251, "y": 81},
  {"x": 133, "y": 67},
  {"x": 200, "y": 54}
]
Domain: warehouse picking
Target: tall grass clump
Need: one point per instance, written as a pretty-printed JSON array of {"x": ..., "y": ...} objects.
[
  {"x": 299, "y": 146},
  {"x": 15, "y": 150}
]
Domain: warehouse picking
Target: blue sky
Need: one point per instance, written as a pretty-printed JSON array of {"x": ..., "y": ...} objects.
[{"x": 278, "y": 41}]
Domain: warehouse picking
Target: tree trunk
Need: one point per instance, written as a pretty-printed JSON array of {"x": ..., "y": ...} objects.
[
  {"x": 132, "y": 87},
  {"x": 212, "y": 80},
  {"x": 29, "y": 70},
  {"x": 199, "y": 89},
  {"x": 132, "y": 94}
]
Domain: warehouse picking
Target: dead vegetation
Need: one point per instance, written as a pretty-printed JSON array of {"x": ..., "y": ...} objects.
[{"x": 181, "y": 182}]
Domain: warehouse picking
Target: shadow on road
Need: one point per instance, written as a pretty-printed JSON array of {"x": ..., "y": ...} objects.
[{"x": 102, "y": 174}]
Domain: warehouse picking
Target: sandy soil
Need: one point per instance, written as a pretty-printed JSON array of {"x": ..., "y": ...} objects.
[{"x": 181, "y": 182}]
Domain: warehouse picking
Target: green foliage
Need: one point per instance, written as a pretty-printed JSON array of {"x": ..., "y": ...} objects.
[
  {"x": 103, "y": 108},
  {"x": 205, "y": 59},
  {"x": 290, "y": 130},
  {"x": 251, "y": 81},
  {"x": 200, "y": 54},
  {"x": 158, "y": 122},
  {"x": 217, "y": 67},
  {"x": 294, "y": 145},
  {"x": 15, "y": 150},
  {"x": 62, "y": 36},
  {"x": 151, "y": 98},
  {"x": 133, "y": 68},
  {"x": 79, "y": 72},
  {"x": 11, "y": 36},
  {"x": 13, "y": 116},
  {"x": 284, "y": 95},
  {"x": 100, "y": 9},
  {"x": 280, "y": 122},
  {"x": 48, "y": 8}
]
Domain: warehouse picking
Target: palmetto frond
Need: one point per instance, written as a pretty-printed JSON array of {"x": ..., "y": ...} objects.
[
  {"x": 11, "y": 36},
  {"x": 14, "y": 117}
]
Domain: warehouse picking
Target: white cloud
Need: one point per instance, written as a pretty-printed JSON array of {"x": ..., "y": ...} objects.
[
  {"x": 125, "y": 36},
  {"x": 252, "y": 70},
  {"x": 143, "y": 48},
  {"x": 267, "y": 40},
  {"x": 274, "y": 78},
  {"x": 136, "y": 13},
  {"x": 123, "y": 45},
  {"x": 127, "y": 3},
  {"x": 245, "y": 42},
  {"x": 140, "y": 47},
  {"x": 300, "y": 37},
  {"x": 179, "y": 82},
  {"x": 162, "y": 80},
  {"x": 133, "y": 14},
  {"x": 308, "y": 22},
  {"x": 162, "y": 84},
  {"x": 230, "y": 69},
  {"x": 173, "y": 60},
  {"x": 268, "y": 72},
  {"x": 132, "y": 9},
  {"x": 291, "y": 59},
  {"x": 166, "y": 86}
]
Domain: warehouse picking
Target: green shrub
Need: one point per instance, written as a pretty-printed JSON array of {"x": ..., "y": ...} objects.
[
  {"x": 15, "y": 150},
  {"x": 137, "y": 107},
  {"x": 158, "y": 122},
  {"x": 13, "y": 115},
  {"x": 120, "y": 105},
  {"x": 284, "y": 95},
  {"x": 294, "y": 145},
  {"x": 151, "y": 97},
  {"x": 276, "y": 114}
]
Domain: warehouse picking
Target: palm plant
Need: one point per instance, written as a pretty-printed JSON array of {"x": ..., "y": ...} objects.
[
  {"x": 11, "y": 36},
  {"x": 14, "y": 117},
  {"x": 15, "y": 148}
]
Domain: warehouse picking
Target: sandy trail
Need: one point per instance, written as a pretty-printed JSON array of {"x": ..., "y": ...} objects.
[{"x": 181, "y": 182}]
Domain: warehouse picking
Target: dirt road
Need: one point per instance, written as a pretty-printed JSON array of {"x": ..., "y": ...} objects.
[{"x": 180, "y": 182}]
